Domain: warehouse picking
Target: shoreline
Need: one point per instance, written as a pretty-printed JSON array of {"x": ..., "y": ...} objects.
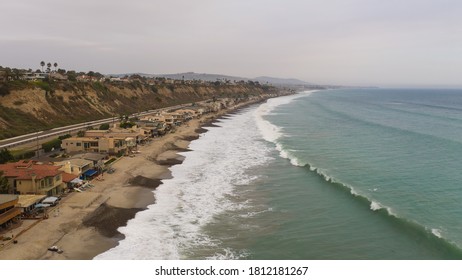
[{"x": 85, "y": 224}]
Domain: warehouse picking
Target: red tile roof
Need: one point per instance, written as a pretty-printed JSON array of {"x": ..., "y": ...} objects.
[
  {"x": 26, "y": 169},
  {"x": 68, "y": 177}
]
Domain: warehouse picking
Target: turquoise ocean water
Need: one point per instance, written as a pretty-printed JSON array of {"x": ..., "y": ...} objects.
[{"x": 337, "y": 174}]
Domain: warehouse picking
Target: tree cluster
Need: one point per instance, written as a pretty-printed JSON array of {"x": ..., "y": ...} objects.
[{"x": 5, "y": 156}]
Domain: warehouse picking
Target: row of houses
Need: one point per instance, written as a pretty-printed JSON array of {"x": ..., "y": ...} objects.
[
  {"x": 32, "y": 181},
  {"x": 123, "y": 141},
  {"x": 52, "y": 178},
  {"x": 111, "y": 141}
]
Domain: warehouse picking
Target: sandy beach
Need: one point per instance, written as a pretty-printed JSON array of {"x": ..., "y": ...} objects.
[{"x": 85, "y": 224}]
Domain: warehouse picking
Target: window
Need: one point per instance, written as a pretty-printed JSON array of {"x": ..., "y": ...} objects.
[{"x": 78, "y": 144}]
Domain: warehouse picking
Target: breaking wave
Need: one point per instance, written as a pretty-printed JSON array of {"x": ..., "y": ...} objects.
[{"x": 272, "y": 133}]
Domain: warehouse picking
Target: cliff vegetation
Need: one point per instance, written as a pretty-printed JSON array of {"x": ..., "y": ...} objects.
[{"x": 28, "y": 106}]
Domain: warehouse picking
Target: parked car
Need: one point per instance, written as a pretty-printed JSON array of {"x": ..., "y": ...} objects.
[{"x": 51, "y": 200}]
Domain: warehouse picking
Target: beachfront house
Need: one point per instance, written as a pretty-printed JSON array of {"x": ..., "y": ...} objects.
[
  {"x": 187, "y": 114},
  {"x": 70, "y": 180},
  {"x": 151, "y": 128},
  {"x": 79, "y": 144},
  {"x": 75, "y": 166},
  {"x": 31, "y": 177},
  {"x": 137, "y": 133},
  {"x": 94, "y": 144},
  {"x": 162, "y": 117},
  {"x": 8, "y": 210},
  {"x": 95, "y": 158}
]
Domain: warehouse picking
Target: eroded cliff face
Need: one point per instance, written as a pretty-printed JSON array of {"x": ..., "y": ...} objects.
[{"x": 33, "y": 109}]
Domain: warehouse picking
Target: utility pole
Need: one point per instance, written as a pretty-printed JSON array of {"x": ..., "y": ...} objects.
[{"x": 37, "y": 144}]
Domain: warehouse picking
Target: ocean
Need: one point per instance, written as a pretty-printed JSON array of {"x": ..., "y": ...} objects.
[{"x": 331, "y": 175}]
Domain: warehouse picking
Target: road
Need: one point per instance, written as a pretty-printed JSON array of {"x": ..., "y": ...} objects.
[{"x": 39, "y": 135}]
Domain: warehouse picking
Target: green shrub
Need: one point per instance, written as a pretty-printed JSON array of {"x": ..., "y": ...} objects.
[
  {"x": 4, "y": 89},
  {"x": 127, "y": 125},
  {"x": 48, "y": 146},
  {"x": 43, "y": 85},
  {"x": 154, "y": 89},
  {"x": 104, "y": 126},
  {"x": 24, "y": 155},
  {"x": 62, "y": 137},
  {"x": 110, "y": 161},
  {"x": 5, "y": 155}
]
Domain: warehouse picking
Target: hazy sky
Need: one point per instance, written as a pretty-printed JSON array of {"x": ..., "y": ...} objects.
[{"x": 354, "y": 42}]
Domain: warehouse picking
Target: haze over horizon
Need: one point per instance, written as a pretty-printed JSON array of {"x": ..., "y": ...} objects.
[{"x": 348, "y": 42}]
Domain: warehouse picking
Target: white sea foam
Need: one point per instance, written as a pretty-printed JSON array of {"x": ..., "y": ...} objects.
[
  {"x": 252, "y": 214},
  {"x": 229, "y": 254},
  {"x": 288, "y": 154},
  {"x": 296, "y": 162},
  {"x": 269, "y": 131},
  {"x": 200, "y": 189},
  {"x": 353, "y": 192},
  {"x": 375, "y": 206},
  {"x": 436, "y": 232}
]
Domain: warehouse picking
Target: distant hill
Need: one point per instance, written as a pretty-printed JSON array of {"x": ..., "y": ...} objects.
[
  {"x": 198, "y": 76},
  {"x": 279, "y": 81},
  {"x": 214, "y": 77}
]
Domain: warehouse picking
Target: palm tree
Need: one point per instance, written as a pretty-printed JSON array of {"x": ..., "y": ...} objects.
[
  {"x": 48, "y": 67},
  {"x": 42, "y": 63},
  {"x": 56, "y": 66}
]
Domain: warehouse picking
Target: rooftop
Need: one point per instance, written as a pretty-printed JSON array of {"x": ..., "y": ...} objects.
[
  {"x": 27, "y": 169},
  {"x": 93, "y": 156},
  {"x": 68, "y": 177},
  {"x": 81, "y": 139},
  {"x": 29, "y": 199},
  {"x": 80, "y": 162},
  {"x": 5, "y": 198}
]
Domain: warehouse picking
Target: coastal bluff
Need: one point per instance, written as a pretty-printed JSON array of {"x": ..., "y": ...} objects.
[{"x": 29, "y": 107}]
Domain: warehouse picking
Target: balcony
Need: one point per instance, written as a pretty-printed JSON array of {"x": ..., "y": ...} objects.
[{"x": 10, "y": 214}]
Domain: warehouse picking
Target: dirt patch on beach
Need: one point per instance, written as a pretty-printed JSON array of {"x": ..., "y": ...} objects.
[
  {"x": 107, "y": 219},
  {"x": 145, "y": 182},
  {"x": 169, "y": 162},
  {"x": 201, "y": 130},
  {"x": 174, "y": 147},
  {"x": 210, "y": 123},
  {"x": 189, "y": 138}
]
